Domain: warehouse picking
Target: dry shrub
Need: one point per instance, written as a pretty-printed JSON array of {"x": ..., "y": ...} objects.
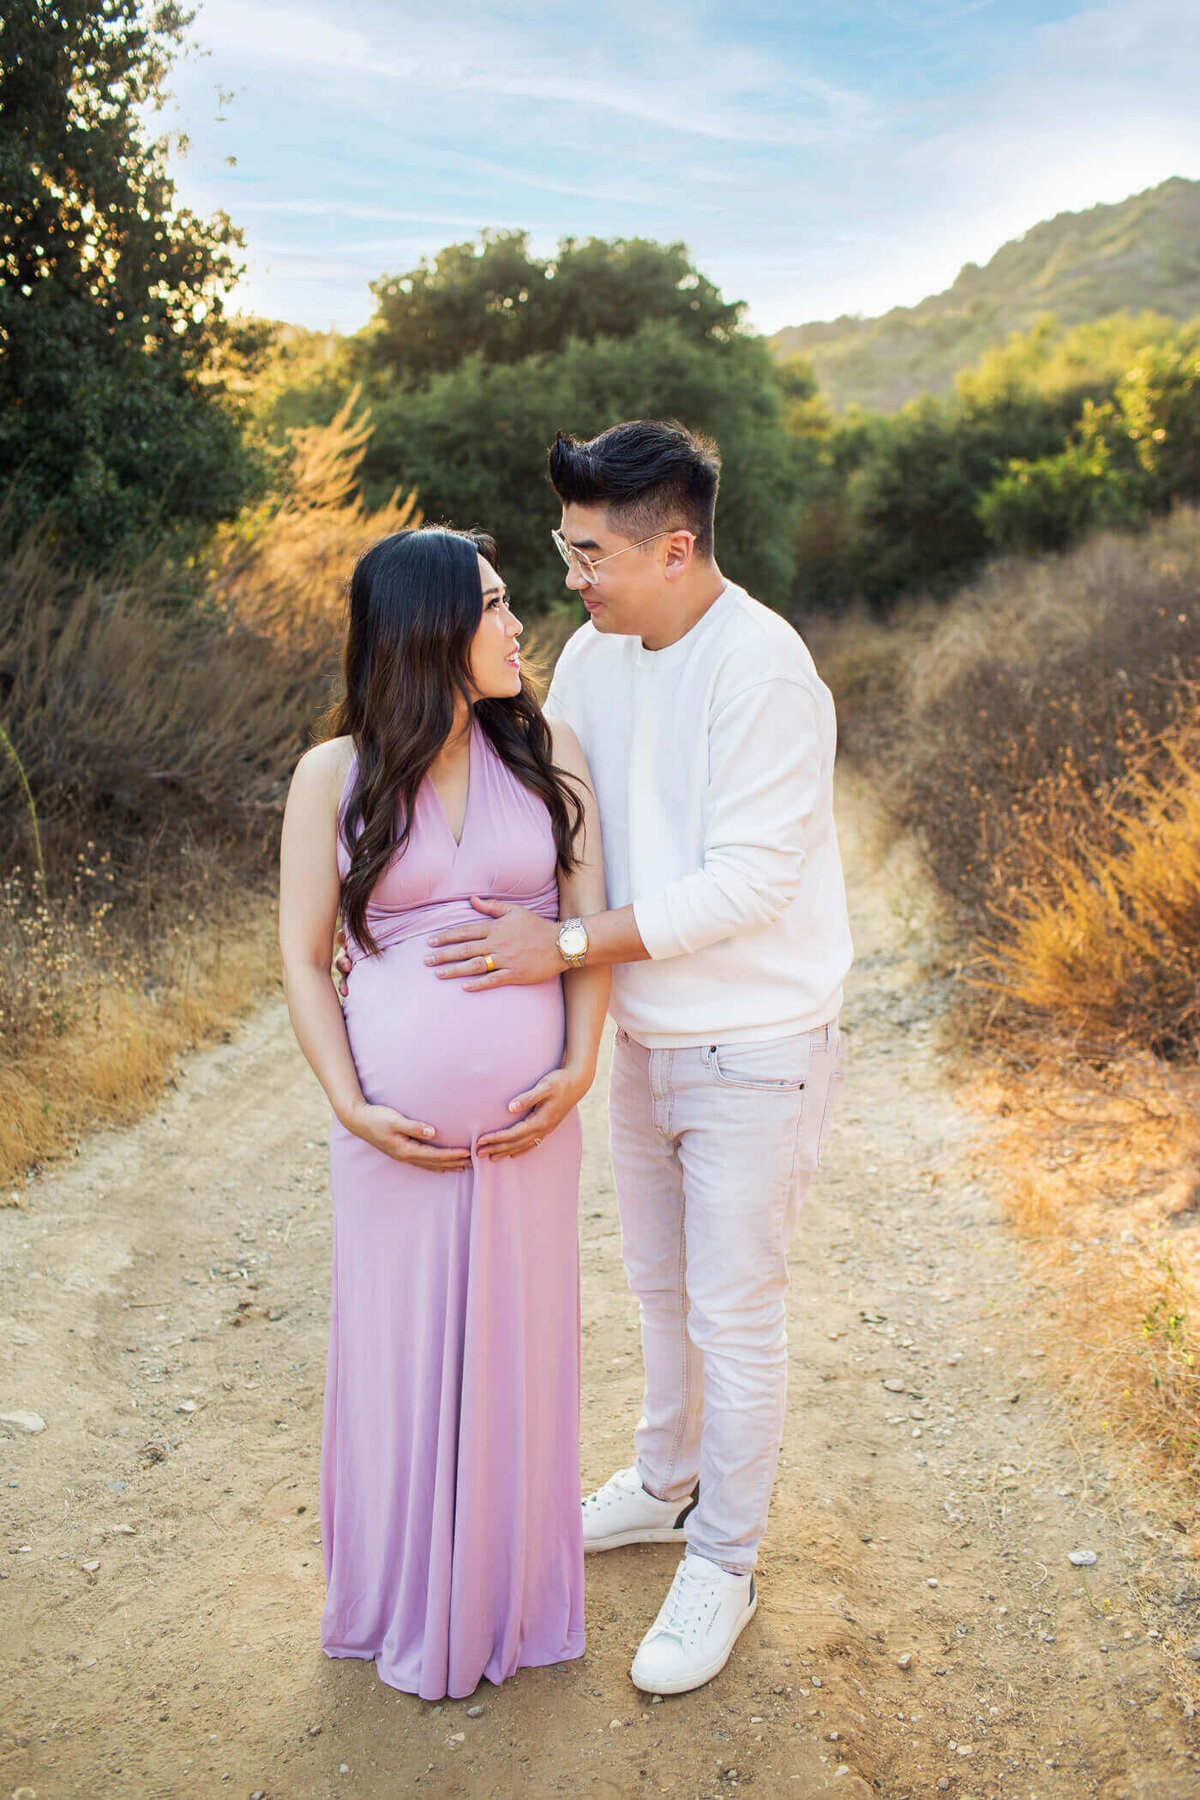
[
  {"x": 283, "y": 571},
  {"x": 119, "y": 1023},
  {"x": 150, "y": 723},
  {"x": 1043, "y": 687},
  {"x": 1039, "y": 741},
  {"x": 1107, "y": 946},
  {"x": 141, "y": 726}
]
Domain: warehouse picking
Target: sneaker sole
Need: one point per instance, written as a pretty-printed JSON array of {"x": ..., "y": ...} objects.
[
  {"x": 649, "y": 1534},
  {"x": 705, "y": 1675}
]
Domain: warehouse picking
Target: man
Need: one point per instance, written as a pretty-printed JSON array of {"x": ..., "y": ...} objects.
[{"x": 711, "y": 741}]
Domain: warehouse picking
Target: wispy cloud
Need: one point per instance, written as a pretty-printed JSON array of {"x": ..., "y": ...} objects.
[
  {"x": 816, "y": 160},
  {"x": 663, "y": 72}
]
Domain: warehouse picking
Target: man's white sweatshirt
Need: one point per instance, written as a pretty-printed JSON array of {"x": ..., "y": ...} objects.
[{"x": 713, "y": 766}]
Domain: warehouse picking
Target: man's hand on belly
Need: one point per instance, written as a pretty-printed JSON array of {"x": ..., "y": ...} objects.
[{"x": 521, "y": 945}]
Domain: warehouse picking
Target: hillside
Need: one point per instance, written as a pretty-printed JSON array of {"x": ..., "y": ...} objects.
[{"x": 1139, "y": 254}]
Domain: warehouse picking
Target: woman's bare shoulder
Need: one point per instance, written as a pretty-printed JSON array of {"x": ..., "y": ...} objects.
[{"x": 326, "y": 765}]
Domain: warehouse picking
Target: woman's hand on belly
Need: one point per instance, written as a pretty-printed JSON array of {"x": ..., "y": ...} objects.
[
  {"x": 548, "y": 1103},
  {"x": 404, "y": 1140}
]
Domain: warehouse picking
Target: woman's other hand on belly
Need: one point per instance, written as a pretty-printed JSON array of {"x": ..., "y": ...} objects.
[
  {"x": 404, "y": 1140},
  {"x": 545, "y": 1106}
]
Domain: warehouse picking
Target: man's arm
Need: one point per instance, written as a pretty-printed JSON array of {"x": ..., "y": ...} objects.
[{"x": 765, "y": 776}]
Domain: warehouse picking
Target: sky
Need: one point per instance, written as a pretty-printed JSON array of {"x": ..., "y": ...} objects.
[{"x": 816, "y": 159}]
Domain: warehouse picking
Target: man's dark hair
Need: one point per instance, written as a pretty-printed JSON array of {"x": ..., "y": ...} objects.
[{"x": 649, "y": 475}]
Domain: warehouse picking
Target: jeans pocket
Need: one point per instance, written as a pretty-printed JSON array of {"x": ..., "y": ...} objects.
[
  {"x": 781, "y": 1065},
  {"x": 834, "y": 1088}
]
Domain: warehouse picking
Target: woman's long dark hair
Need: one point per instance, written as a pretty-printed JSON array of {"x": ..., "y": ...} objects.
[{"x": 415, "y": 605}]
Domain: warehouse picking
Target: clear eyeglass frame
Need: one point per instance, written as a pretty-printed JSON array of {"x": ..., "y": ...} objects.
[{"x": 584, "y": 565}]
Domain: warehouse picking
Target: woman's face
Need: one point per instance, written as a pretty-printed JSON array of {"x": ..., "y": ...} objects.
[{"x": 495, "y": 659}]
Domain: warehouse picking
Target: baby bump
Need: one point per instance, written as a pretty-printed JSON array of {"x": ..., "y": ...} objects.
[{"x": 437, "y": 1053}]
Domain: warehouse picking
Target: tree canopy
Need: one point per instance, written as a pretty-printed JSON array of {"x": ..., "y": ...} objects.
[
  {"x": 112, "y": 423},
  {"x": 493, "y": 298}
]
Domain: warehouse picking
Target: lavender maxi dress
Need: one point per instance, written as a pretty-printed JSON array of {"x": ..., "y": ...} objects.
[{"x": 450, "y": 1456}]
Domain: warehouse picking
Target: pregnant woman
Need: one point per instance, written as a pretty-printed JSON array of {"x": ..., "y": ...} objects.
[{"x": 450, "y": 1511}]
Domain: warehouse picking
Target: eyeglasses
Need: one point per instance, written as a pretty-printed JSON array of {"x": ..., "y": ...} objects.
[{"x": 586, "y": 565}]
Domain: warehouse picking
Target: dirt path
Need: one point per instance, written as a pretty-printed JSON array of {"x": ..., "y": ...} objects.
[{"x": 163, "y": 1307}]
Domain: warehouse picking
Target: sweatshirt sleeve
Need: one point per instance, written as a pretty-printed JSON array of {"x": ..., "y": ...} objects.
[
  {"x": 560, "y": 699},
  {"x": 765, "y": 775}
]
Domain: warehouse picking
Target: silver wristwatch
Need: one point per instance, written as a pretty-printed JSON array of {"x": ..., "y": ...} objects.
[{"x": 573, "y": 942}]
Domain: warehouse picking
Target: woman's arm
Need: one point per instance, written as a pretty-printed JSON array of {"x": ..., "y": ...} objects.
[
  {"x": 585, "y": 991},
  {"x": 309, "y": 894}
]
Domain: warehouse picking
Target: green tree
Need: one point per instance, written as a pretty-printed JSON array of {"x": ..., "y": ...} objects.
[
  {"x": 492, "y": 298},
  {"x": 112, "y": 420},
  {"x": 474, "y": 442}
]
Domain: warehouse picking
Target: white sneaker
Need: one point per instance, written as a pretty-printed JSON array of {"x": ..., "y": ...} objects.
[
  {"x": 622, "y": 1512},
  {"x": 700, "y": 1621}
]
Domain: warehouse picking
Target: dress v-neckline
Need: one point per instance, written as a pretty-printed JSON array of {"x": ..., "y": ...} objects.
[{"x": 458, "y": 841}]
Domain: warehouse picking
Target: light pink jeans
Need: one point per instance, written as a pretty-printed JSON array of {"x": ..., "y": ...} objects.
[{"x": 713, "y": 1149}]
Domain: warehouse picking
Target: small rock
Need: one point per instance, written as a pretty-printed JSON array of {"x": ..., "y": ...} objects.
[
  {"x": 259, "y": 1794},
  {"x": 314, "y": 1731},
  {"x": 614, "y": 1724},
  {"x": 24, "y": 1793},
  {"x": 833, "y": 1736},
  {"x": 1193, "y": 1651},
  {"x": 458, "y": 1737},
  {"x": 1083, "y": 1559},
  {"x": 966, "y": 1749},
  {"x": 474, "y": 1712},
  {"x": 932, "y": 1581},
  {"x": 274, "y": 1312},
  {"x": 128, "y": 1531},
  {"x": 904, "y": 1661},
  {"x": 893, "y": 1386},
  {"x": 755, "y": 1719},
  {"x": 89, "y": 1568},
  {"x": 816, "y": 1681},
  {"x": 656, "y": 1700},
  {"x": 23, "y": 1421},
  {"x": 186, "y": 1406}
]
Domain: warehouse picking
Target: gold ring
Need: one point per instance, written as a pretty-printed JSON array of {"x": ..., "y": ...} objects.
[{"x": 490, "y": 965}]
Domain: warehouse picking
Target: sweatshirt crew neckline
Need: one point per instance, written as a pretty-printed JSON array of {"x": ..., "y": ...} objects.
[{"x": 659, "y": 659}]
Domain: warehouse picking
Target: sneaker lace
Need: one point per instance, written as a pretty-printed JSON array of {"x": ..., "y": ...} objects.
[
  {"x": 614, "y": 1489},
  {"x": 691, "y": 1603}
]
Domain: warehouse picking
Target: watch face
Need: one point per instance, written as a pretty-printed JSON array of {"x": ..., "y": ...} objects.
[{"x": 573, "y": 940}]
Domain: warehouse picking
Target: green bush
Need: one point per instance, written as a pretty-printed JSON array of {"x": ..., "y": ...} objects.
[{"x": 1127, "y": 458}]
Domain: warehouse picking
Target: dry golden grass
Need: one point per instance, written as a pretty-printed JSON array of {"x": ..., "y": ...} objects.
[
  {"x": 1101, "y": 1178},
  {"x": 283, "y": 571},
  {"x": 122, "y": 1028},
  {"x": 148, "y": 738},
  {"x": 1106, "y": 944}
]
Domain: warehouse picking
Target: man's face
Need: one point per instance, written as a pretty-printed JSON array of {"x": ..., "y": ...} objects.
[{"x": 630, "y": 589}]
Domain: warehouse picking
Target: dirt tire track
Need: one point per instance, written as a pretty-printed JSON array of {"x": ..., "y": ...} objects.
[{"x": 184, "y": 1263}]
